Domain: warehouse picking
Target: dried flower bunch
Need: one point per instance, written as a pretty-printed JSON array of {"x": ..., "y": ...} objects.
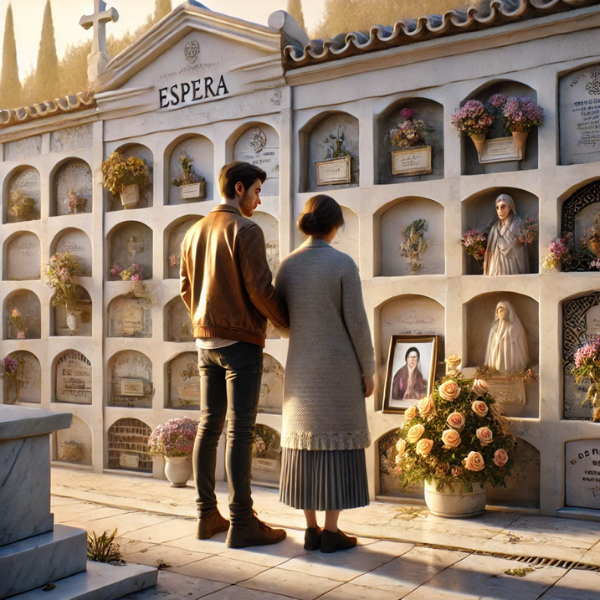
[
  {"x": 174, "y": 438},
  {"x": 587, "y": 365},
  {"x": 23, "y": 207},
  {"x": 16, "y": 318},
  {"x": 408, "y": 131},
  {"x": 456, "y": 435},
  {"x": 59, "y": 273},
  {"x": 13, "y": 371},
  {"x": 175, "y": 260},
  {"x": 473, "y": 118},
  {"x": 528, "y": 231},
  {"x": 75, "y": 203},
  {"x": 559, "y": 250},
  {"x": 119, "y": 172},
  {"x": 133, "y": 273},
  {"x": 188, "y": 175},
  {"x": 474, "y": 242}
]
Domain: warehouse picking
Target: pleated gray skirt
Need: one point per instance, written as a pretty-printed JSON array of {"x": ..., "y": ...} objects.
[{"x": 323, "y": 479}]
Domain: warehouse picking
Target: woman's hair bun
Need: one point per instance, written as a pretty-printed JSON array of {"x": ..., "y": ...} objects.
[
  {"x": 321, "y": 213},
  {"x": 309, "y": 223}
]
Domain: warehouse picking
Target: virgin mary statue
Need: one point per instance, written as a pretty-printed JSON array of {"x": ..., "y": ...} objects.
[
  {"x": 505, "y": 254},
  {"x": 507, "y": 348}
]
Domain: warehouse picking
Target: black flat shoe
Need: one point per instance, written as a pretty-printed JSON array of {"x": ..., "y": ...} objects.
[
  {"x": 312, "y": 538},
  {"x": 332, "y": 542}
]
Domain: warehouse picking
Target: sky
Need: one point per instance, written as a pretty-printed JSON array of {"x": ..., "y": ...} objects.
[{"x": 28, "y": 16}]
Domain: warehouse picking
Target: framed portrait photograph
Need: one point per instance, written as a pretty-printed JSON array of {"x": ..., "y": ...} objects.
[{"x": 410, "y": 371}]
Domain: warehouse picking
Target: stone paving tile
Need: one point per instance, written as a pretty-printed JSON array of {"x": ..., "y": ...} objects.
[
  {"x": 289, "y": 583},
  {"x": 532, "y": 545},
  {"x": 233, "y": 592},
  {"x": 592, "y": 556},
  {"x": 175, "y": 557},
  {"x": 132, "y": 546},
  {"x": 216, "y": 544},
  {"x": 217, "y": 568},
  {"x": 351, "y": 591},
  {"x": 483, "y": 577},
  {"x": 167, "y": 531},
  {"x": 125, "y": 524},
  {"x": 575, "y": 533},
  {"x": 385, "y": 548},
  {"x": 63, "y": 501},
  {"x": 575, "y": 585},
  {"x": 84, "y": 511}
]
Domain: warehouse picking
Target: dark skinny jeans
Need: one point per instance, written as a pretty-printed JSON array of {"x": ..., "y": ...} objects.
[{"x": 230, "y": 378}]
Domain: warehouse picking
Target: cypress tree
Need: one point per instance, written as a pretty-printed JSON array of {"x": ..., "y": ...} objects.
[
  {"x": 161, "y": 9},
  {"x": 294, "y": 8},
  {"x": 10, "y": 86},
  {"x": 47, "y": 74}
]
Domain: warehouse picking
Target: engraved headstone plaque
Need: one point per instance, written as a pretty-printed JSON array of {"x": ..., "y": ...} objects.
[
  {"x": 582, "y": 478},
  {"x": 74, "y": 378},
  {"x": 500, "y": 150},
  {"x": 131, "y": 375},
  {"x": 411, "y": 161},
  {"x": 79, "y": 245},
  {"x": 259, "y": 146},
  {"x": 184, "y": 381}
]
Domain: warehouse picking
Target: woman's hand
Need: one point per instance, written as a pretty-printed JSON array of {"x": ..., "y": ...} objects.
[{"x": 368, "y": 386}]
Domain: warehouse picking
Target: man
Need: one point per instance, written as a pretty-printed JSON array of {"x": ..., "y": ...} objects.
[{"x": 226, "y": 286}]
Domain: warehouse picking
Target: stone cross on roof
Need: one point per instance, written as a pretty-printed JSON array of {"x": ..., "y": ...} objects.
[{"x": 99, "y": 57}]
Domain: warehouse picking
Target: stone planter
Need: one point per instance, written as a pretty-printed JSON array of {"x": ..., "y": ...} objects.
[
  {"x": 479, "y": 141},
  {"x": 519, "y": 140},
  {"x": 457, "y": 504},
  {"x": 74, "y": 321},
  {"x": 130, "y": 196},
  {"x": 193, "y": 191},
  {"x": 178, "y": 470}
]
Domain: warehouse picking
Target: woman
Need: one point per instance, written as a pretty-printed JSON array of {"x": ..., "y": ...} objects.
[
  {"x": 507, "y": 348},
  {"x": 329, "y": 372},
  {"x": 408, "y": 382}
]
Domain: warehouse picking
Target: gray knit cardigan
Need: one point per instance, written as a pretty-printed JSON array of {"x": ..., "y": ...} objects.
[{"x": 330, "y": 350}]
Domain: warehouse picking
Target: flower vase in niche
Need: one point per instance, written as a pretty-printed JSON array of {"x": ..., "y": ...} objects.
[
  {"x": 125, "y": 176},
  {"x": 413, "y": 156},
  {"x": 474, "y": 120},
  {"x": 59, "y": 273},
  {"x": 414, "y": 243},
  {"x": 521, "y": 114},
  {"x": 22, "y": 207},
  {"x": 587, "y": 366},
  {"x": 191, "y": 185},
  {"x": 336, "y": 168}
]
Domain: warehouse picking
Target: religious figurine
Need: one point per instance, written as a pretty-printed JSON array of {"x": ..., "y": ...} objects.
[
  {"x": 133, "y": 247},
  {"x": 414, "y": 243},
  {"x": 507, "y": 348},
  {"x": 408, "y": 381},
  {"x": 505, "y": 253}
]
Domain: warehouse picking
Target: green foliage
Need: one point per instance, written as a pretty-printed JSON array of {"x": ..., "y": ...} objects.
[
  {"x": 10, "y": 86},
  {"x": 120, "y": 172},
  {"x": 188, "y": 175},
  {"x": 294, "y": 8},
  {"x": 103, "y": 548},
  {"x": 419, "y": 227},
  {"x": 47, "y": 81}
]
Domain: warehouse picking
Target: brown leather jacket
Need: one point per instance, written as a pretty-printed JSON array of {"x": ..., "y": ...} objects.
[{"x": 226, "y": 280}]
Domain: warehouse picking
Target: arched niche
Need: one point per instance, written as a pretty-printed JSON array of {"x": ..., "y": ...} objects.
[
  {"x": 270, "y": 227},
  {"x": 520, "y": 397},
  {"x": 183, "y": 382},
  {"x": 73, "y": 176},
  {"x": 81, "y": 325},
  {"x": 77, "y": 243},
  {"x": 395, "y": 220},
  {"x": 258, "y": 144},
  {"x": 23, "y": 257},
  {"x": 23, "y": 196},
  {"x": 178, "y": 325},
  {"x": 389, "y": 474},
  {"x": 266, "y": 455},
  {"x": 316, "y": 145},
  {"x": 479, "y": 212},
  {"x": 73, "y": 378},
  {"x": 74, "y": 445},
  {"x": 146, "y": 194},
  {"x": 202, "y": 152},
  {"x": 271, "y": 386},
  {"x": 523, "y": 484},
  {"x": 28, "y": 387},
  {"x": 470, "y": 159},
  {"x": 28, "y": 305},
  {"x": 128, "y": 446},
  {"x": 130, "y": 380},
  {"x": 581, "y": 467},
  {"x": 128, "y": 243},
  {"x": 432, "y": 114},
  {"x": 130, "y": 317},
  {"x": 174, "y": 235}
]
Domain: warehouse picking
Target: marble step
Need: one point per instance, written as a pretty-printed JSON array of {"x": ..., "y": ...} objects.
[
  {"x": 38, "y": 560},
  {"x": 99, "y": 582}
]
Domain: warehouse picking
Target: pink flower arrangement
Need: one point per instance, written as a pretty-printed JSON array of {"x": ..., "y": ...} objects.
[
  {"x": 59, "y": 273},
  {"x": 559, "y": 250},
  {"x": 522, "y": 114},
  {"x": 473, "y": 118},
  {"x": 408, "y": 131},
  {"x": 174, "y": 260},
  {"x": 587, "y": 364},
  {"x": 116, "y": 270},
  {"x": 528, "y": 230},
  {"x": 174, "y": 438},
  {"x": 133, "y": 273},
  {"x": 474, "y": 242}
]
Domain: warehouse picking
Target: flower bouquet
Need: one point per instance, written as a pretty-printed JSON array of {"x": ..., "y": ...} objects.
[
  {"x": 13, "y": 372},
  {"x": 474, "y": 242},
  {"x": 59, "y": 273},
  {"x": 135, "y": 274},
  {"x": 473, "y": 119},
  {"x": 120, "y": 174},
  {"x": 408, "y": 131},
  {"x": 587, "y": 364},
  {"x": 16, "y": 319},
  {"x": 559, "y": 250},
  {"x": 22, "y": 207},
  {"x": 528, "y": 231},
  {"x": 175, "y": 260},
  {"x": 175, "y": 438},
  {"x": 521, "y": 114}
]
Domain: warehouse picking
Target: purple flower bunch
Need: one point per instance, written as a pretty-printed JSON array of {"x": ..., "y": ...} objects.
[
  {"x": 474, "y": 242},
  {"x": 588, "y": 354},
  {"x": 408, "y": 131},
  {"x": 528, "y": 230},
  {"x": 522, "y": 114},
  {"x": 558, "y": 249},
  {"x": 116, "y": 270},
  {"x": 473, "y": 118},
  {"x": 174, "y": 438},
  {"x": 495, "y": 104},
  {"x": 9, "y": 365}
]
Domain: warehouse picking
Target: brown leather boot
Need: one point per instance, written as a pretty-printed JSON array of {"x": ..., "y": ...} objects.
[
  {"x": 210, "y": 523},
  {"x": 256, "y": 533},
  {"x": 332, "y": 542}
]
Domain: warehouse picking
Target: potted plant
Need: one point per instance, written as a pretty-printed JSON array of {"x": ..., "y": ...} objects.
[
  {"x": 473, "y": 119},
  {"x": 587, "y": 365},
  {"x": 456, "y": 441},
  {"x": 22, "y": 207},
  {"x": 125, "y": 176},
  {"x": 190, "y": 184},
  {"x": 60, "y": 272},
  {"x": 175, "y": 441},
  {"x": 13, "y": 372},
  {"x": 15, "y": 318},
  {"x": 75, "y": 204},
  {"x": 521, "y": 114}
]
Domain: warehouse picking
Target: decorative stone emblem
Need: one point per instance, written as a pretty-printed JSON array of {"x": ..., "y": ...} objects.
[
  {"x": 191, "y": 51},
  {"x": 258, "y": 139}
]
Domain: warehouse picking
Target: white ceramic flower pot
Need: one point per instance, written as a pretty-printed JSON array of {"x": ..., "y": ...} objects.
[
  {"x": 178, "y": 470},
  {"x": 457, "y": 504},
  {"x": 74, "y": 321}
]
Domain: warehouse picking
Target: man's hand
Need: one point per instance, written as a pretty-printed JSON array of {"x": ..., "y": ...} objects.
[{"x": 368, "y": 386}]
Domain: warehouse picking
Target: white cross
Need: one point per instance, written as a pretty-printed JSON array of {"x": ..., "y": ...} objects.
[{"x": 98, "y": 21}]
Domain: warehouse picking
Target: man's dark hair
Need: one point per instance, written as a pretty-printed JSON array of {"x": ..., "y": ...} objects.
[
  {"x": 236, "y": 171},
  {"x": 412, "y": 349}
]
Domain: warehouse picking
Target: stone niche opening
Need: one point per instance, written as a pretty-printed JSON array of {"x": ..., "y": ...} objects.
[
  {"x": 81, "y": 325},
  {"x": 266, "y": 455},
  {"x": 22, "y": 197},
  {"x": 518, "y": 396},
  {"x": 73, "y": 176},
  {"x": 23, "y": 257},
  {"x": 174, "y": 235},
  {"x": 479, "y": 212},
  {"x": 202, "y": 152},
  {"x": 183, "y": 382},
  {"x": 77, "y": 243},
  {"x": 271, "y": 386},
  {"x": 146, "y": 195},
  {"x": 389, "y": 482},
  {"x": 258, "y": 144},
  {"x": 582, "y": 458},
  {"x": 177, "y": 322},
  {"x": 129, "y": 316},
  {"x": 128, "y": 243},
  {"x": 432, "y": 114},
  {"x": 30, "y": 385},
  {"x": 73, "y": 378},
  {"x": 130, "y": 380},
  {"x": 28, "y": 304},
  {"x": 470, "y": 159},
  {"x": 128, "y": 446},
  {"x": 316, "y": 145},
  {"x": 74, "y": 445},
  {"x": 394, "y": 219}
]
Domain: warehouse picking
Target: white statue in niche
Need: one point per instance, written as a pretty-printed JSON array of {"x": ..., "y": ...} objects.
[
  {"x": 507, "y": 348},
  {"x": 505, "y": 254}
]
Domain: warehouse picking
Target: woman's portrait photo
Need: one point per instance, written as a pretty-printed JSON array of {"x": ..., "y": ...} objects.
[{"x": 411, "y": 371}]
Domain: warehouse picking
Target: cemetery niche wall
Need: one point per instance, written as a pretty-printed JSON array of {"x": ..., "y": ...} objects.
[
  {"x": 72, "y": 193},
  {"x": 266, "y": 455},
  {"x": 26, "y": 384},
  {"x": 130, "y": 317},
  {"x": 75, "y": 242},
  {"x": 76, "y": 321},
  {"x": 22, "y": 196},
  {"x": 74, "y": 445},
  {"x": 129, "y": 243},
  {"x": 582, "y": 477},
  {"x": 23, "y": 257},
  {"x": 146, "y": 194},
  {"x": 271, "y": 386},
  {"x": 177, "y": 322},
  {"x": 128, "y": 445}
]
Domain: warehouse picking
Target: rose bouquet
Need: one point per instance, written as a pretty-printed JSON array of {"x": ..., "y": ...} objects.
[
  {"x": 59, "y": 273},
  {"x": 13, "y": 372},
  {"x": 521, "y": 114},
  {"x": 174, "y": 438},
  {"x": 474, "y": 243},
  {"x": 587, "y": 364},
  {"x": 559, "y": 250},
  {"x": 456, "y": 435},
  {"x": 473, "y": 118},
  {"x": 408, "y": 131},
  {"x": 528, "y": 231}
]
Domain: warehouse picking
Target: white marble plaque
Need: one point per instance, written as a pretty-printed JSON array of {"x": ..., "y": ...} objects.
[
  {"x": 192, "y": 190},
  {"x": 24, "y": 258},
  {"x": 74, "y": 378},
  {"x": 331, "y": 172},
  {"x": 583, "y": 473},
  {"x": 592, "y": 318},
  {"x": 266, "y": 464},
  {"x": 131, "y": 375},
  {"x": 131, "y": 387},
  {"x": 500, "y": 150},
  {"x": 412, "y": 161},
  {"x": 507, "y": 390}
]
